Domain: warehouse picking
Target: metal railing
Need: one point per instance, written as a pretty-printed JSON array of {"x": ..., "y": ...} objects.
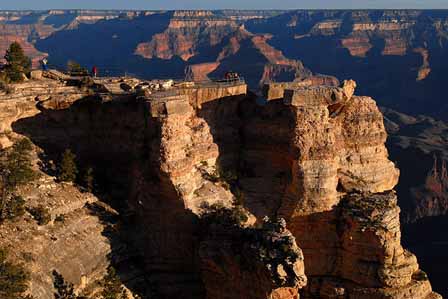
[{"x": 217, "y": 82}]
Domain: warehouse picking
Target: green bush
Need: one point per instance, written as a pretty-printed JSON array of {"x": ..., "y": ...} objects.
[
  {"x": 41, "y": 214},
  {"x": 220, "y": 215},
  {"x": 13, "y": 279},
  {"x": 68, "y": 170},
  {"x": 17, "y": 63}
]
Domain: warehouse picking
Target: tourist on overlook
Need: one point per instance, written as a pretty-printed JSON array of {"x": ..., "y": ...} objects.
[{"x": 94, "y": 71}]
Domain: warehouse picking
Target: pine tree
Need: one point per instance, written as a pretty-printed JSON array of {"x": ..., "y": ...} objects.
[
  {"x": 88, "y": 179},
  {"x": 13, "y": 279},
  {"x": 17, "y": 63},
  {"x": 19, "y": 164},
  {"x": 64, "y": 290},
  {"x": 15, "y": 170},
  {"x": 68, "y": 169},
  {"x": 112, "y": 288}
]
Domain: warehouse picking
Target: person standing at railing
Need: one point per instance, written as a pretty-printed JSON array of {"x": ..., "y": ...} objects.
[{"x": 94, "y": 71}]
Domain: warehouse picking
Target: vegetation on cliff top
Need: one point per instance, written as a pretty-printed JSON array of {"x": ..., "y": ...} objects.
[{"x": 17, "y": 63}]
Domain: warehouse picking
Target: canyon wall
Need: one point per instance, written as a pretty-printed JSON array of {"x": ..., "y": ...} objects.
[
  {"x": 373, "y": 47},
  {"x": 315, "y": 157}
]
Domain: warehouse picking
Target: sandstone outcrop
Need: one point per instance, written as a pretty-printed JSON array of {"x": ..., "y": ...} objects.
[
  {"x": 315, "y": 157},
  {"x": 25, "y": 99},
  {"x": 337, "y": 203}
]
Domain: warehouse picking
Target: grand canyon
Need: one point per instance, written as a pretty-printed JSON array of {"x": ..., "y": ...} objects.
[{"x": 330, "y": 150}]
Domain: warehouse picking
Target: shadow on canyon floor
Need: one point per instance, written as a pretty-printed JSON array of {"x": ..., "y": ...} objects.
[{"x": 428, "y": 239}]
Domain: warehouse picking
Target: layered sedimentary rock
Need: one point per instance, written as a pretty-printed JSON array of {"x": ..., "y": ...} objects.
[
  {"x": 186, "y": 32},
  {"x": 24, "y": 101},
  {"x": 334, "y": 190},
  {"x": 22, "y": 34},
  {"x": 74, "y": 244},
  {"x": 313, "y": 155},
  {"x": 360, "y": 224},
  {"x": 339, "y": 141}
]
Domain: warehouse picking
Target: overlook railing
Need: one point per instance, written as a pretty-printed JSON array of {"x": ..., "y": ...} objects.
[{"x": 112, "y": 72}]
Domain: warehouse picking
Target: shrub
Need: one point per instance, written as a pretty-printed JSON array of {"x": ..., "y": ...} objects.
[
  {"x": 14, "y": 208},
  {"x": 60, "y": 218},
  {"x": 68, "y": 170},
  {"x": 13, "y": 279},
  {"x": 420, "y": 276},
  {"x": 220, "y": 215},
  {"x": 74, "y": 67},
  {"x": 17, "y": 64},
  {"x": 41, "y": 214}
]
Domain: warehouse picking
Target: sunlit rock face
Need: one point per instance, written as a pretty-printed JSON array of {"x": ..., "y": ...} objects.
[
  {"x": 311, "y": 154},
  {"x": 323, "y": 165}
]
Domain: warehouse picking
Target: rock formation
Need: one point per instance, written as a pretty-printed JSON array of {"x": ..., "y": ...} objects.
[
  {"x": 311, "y": 154},
  {"x": 236, "y": 259}
]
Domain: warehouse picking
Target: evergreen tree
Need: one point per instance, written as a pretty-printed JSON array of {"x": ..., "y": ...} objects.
[
  {"x": 17, "y": 63},
  {"x": 19, "y": 164},
  {"x": 88, "y": 179},
  {"x": 112, "y": 288},
  {"x": 68, "y": 169},
  {"x": 13, "y": 279},
  {"x": 15, "y": 170},
  {"x": 64, "y": 290}
]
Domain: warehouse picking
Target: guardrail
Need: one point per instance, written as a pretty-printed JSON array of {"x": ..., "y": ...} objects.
[
  {"x": 219, "y": 82},
  {"x": 118, "y": 73}
]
